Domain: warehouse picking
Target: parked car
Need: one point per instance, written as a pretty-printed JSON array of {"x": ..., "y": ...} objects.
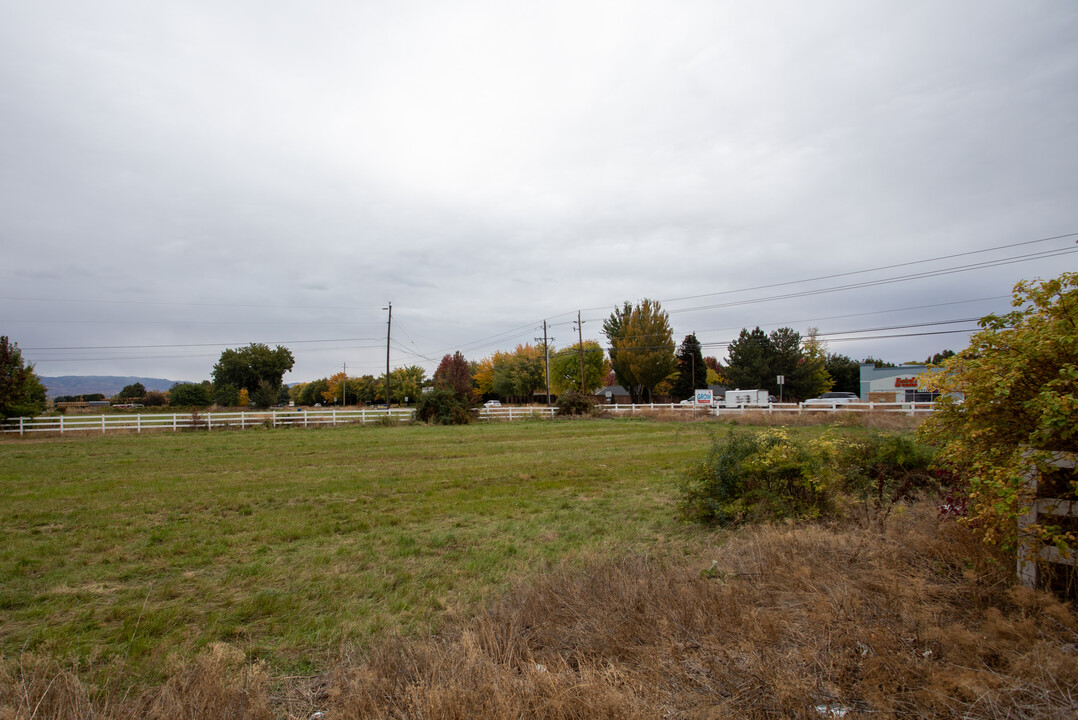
[
  {"x": 834, "y": 398},
  {"x": 492, "y": 404}
]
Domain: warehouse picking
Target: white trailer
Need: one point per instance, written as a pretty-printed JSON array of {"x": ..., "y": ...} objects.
[{"x": 746, "y": 398}]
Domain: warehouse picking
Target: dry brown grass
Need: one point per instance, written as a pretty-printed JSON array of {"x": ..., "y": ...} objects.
[
  {"x": 874, "y": 420},
  {"x": 914, "y": 620}
]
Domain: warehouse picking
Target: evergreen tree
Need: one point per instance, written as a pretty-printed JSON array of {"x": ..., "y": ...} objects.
[
  {"x": 751, "y": 356},
  {"x": 845, "y": 371},
  {"x": 691, "y": 368}
]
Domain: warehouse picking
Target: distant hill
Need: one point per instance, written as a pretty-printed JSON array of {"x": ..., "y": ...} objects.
[{"x": 108, "y": 385}]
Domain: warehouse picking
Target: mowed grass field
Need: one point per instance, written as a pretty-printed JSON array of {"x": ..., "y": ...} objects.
[{"x": 299, "y": 545}]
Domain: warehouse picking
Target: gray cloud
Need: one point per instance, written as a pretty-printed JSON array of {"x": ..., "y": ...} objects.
[{"x": 266, "y": 172}]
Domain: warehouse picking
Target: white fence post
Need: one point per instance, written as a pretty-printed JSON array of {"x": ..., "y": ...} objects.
[
  {"x": 209, "y": 421},
  {"x": 138, "y": 423},
  {"x": 102, "y": 423}
]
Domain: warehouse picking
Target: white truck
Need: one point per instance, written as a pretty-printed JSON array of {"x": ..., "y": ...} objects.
[{"x": 746, "y": 398}]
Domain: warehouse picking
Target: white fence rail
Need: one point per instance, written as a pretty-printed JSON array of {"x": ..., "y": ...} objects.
[
  {"x": 315, "y": 418},
  {"x": 204, "y": 421},
  {"x": 1032, "y": 553},
  {"x": 516, "y": 413}
]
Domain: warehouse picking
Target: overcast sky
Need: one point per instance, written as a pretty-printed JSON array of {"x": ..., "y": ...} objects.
[{"x": 178, "y": 178}]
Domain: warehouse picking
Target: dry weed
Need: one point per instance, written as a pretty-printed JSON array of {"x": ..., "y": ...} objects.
[{"x": 916, "y": 620}]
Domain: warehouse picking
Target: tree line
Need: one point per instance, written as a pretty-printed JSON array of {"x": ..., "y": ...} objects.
[{"x": 640, "y": 355}]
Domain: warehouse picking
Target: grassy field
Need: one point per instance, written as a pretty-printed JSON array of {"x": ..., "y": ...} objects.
[
  {"x": 296, "y": 545},
  {"x": 273, "y": 574}
]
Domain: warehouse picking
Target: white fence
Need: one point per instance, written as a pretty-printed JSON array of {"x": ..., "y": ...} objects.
[
  {"x": 517, "y": 413},
  {"x": 1031, "y": 552},
  {"x": 315, "y": 418},
  {"x": 204, "y": 421}
]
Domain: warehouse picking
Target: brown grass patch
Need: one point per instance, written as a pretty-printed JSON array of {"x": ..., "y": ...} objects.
[
  {"x": 914, "y": 620},
  {"x": 874, "y": 420}
]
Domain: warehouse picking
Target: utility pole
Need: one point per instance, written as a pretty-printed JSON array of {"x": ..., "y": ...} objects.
[
  {"x": 546, "y": 354},
  {"x": 344, "y": 387},
  {"x": 580, "y": 335},
  {"x": 389, "y": 330}
]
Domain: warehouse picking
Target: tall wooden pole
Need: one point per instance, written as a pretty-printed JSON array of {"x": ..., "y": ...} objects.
[
  {"x": 580, "y": 335},
  {"x": 546, "y": 353},
  {"x": 389, "y": 330}
]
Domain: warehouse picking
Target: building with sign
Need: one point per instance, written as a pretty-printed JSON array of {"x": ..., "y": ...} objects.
[{"x": 895, "y": 384}]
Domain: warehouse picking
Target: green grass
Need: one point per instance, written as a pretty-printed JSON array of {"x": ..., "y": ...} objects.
[{"x": 297, "y": 544}]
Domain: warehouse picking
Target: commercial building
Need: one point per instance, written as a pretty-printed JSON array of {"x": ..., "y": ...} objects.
[{"x": 895, "y": 384}]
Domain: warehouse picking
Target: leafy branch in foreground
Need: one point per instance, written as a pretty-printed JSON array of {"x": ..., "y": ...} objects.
[{"x": 1011, "y": 402}]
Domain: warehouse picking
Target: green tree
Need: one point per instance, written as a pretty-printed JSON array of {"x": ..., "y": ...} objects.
[
  {"x": 1019, "y": 382},
  {"x": 691, "y": 369},
  {"x": 809, "y": 376},
  {"x": 751, "y": 358},
  {"x": 407, "y": 382},
  {"x": 939, "y": 357},
  {"x": 21, "y": 391},
  {"x": 845, "y": 371},
  {"x": 565, "y": 368},
  {"x": 757, "y": 359},
  {"x": 154, "y": 398},
  {"x": 311, "y": 393},
  {"x": 265, "y": 395},
  {"x": 517, "y": 375},
  {"x": 226, "y": 394},
  {"x": 366, "y": 389},
  {"x": 443, "y": 406},
  {"x": 245, "y": 368},
  {"x": 615, "y": 327},
  {"x": 641, "y": 347},
  {"x": 188, "y": 395},
  {"x": 132, "y": 392}
]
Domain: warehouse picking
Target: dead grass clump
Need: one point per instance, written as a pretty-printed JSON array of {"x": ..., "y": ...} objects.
[
  {"x": 874, "y": 420},
  {"x": 218, "y": 684},
  {"x": 663, "y": 414},
  {"x": 914, "y": 620},
  {"x": 38, "y": 687}
]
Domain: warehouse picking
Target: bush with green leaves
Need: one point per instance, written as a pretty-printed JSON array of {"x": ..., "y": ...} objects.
[
  {"x": 575, "y": 403},
  {"x": 751, "y": 477},
  {"x": 885, "y": 469},
  {"x": 442, "y": 406}
]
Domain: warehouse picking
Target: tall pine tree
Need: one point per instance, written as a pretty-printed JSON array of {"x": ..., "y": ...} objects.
[{"x": 691, "y": 368}]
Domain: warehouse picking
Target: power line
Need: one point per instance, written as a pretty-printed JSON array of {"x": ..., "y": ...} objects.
[
  {"x": 877, "y": 269},
  {"x": 875, "y": 283},
  {"x": 181, "y": 345}
]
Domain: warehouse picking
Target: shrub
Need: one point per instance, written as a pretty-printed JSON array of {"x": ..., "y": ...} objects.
[
  {"x": 575, "y": 403},
  {"x": 761, "y": 476},
  {"x": 442, "y": 406},
  {"x": 768, "y": 475},
  {"x": 154, "y": 398},
  {"x": 1011, "y": 401},
  {"x": 886, "y": 469}
]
